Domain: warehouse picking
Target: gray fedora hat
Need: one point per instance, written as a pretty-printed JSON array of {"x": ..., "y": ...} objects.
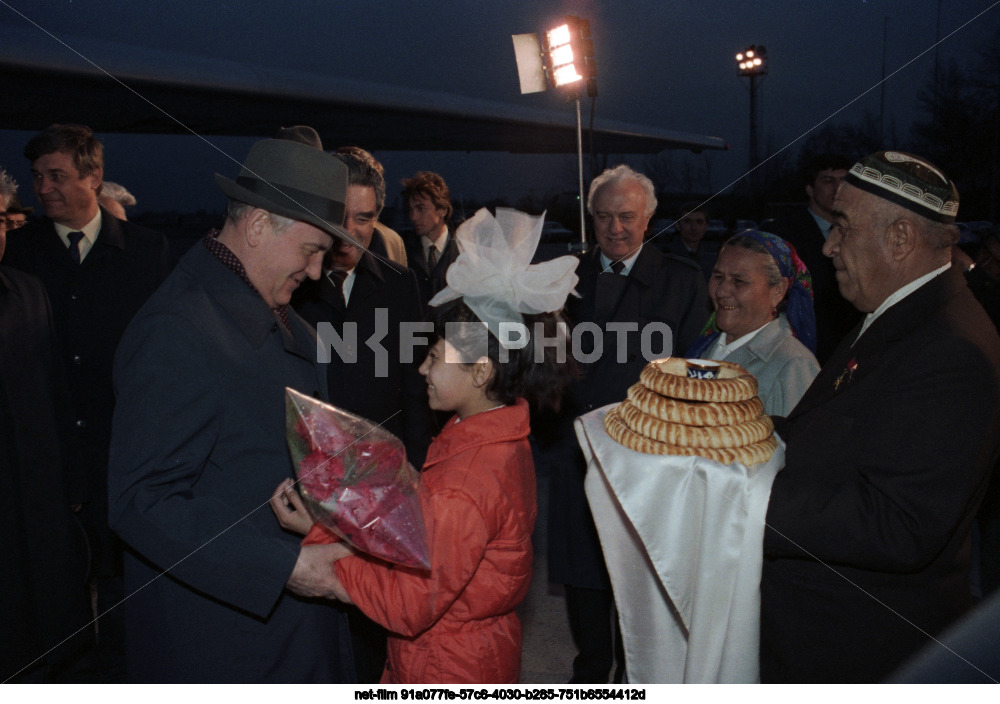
[
  {"x": 301, "y": 133},
  {"x": 294, "y": 180}
]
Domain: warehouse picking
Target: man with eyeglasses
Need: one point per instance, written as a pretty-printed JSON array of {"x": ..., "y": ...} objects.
[{"x": 15, "y": 216}]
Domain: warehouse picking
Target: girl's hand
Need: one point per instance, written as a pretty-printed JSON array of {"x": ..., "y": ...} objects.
[{"x": 289, "y": 508}]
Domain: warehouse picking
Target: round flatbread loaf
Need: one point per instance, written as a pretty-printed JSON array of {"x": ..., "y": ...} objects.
[
  {"x": 625, "y": 436},
  {"x": 709, "y": 413},
  {"x": 668, "y": 377},
  {"x": 716, "y": 437}
]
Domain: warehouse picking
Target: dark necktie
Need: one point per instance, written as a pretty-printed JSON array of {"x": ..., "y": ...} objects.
[
  {"x": 337, "y": 277},
  {"x": 610, "y": 285},
  {"x": 74, "y": 246},
  {"x": 432, "y": 258}
]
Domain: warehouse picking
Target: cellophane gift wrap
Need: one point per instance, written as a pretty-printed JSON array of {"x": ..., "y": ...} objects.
[{"x": 355, "y": 480}]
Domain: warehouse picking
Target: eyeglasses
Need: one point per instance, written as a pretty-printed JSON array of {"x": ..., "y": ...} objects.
[{"x": 13, "y": 223}]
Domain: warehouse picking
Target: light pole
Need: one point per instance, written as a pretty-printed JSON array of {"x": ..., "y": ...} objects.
[
  {"x": 753, "y": 63},
  {"x": 567, "y": 62}
]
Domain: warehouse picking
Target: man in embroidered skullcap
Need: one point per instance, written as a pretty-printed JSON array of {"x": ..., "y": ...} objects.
[
  {"x": 866, "y": 556},
  {"x": 218, "y": 592}
]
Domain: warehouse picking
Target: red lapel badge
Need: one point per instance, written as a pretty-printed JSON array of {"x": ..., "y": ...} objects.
[{"x": 847, "y": 374}]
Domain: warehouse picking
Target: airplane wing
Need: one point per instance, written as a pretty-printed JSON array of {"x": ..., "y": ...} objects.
[{"x": 143, "y": 90}]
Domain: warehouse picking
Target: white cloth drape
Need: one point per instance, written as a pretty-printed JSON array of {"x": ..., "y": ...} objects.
[{"x": 683, "y": 542}]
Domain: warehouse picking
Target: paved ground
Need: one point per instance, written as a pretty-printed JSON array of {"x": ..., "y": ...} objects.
[{"x": 547, "y": 655}]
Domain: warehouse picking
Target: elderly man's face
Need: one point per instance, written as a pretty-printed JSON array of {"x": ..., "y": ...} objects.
[
  {"x": 859, "y": 247},
  {"x": 359, "y": 220},
  {"x": 286, "y": 259},
  {"x": 620, "y": 218},
  {"x": 68, "y": 198}
]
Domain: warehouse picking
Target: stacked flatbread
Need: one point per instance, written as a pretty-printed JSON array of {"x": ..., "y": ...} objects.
[{"x": 669, "y": 413}]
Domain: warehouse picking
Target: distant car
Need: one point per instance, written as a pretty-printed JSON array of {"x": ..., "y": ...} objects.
[
  {"x": 556, "y": 232},
  {"x": 717, "y": 230},
  {"x": 663, "y": 227}
]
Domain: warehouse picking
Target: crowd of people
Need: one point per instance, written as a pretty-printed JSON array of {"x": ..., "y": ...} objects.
[{"x": 145, "y": 404}]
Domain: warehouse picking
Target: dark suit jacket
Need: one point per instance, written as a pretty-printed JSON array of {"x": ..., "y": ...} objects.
[
  {"x": 835, "y": 317},
  {"x": 92, "y": 303},
  {"x": 660, "y": 289},
  {"x": 198, "y": 447},
  {"x": 387, "y": 390},
  {"x": 43, "y": 596},
  {"x": 705, "y": 256},
  {"x": 883, "y": 474},
  {"x": 430, "y": 282}
]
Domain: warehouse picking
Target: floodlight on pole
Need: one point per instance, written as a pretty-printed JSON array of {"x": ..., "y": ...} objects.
[
  {"x": 567, "y": 61},
  {"x": 752, "y": 62}
]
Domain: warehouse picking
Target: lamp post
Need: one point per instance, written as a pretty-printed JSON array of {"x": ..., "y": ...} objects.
[
  {"x": 567, "y": 63},
  {"x": 753, "y": 63}
]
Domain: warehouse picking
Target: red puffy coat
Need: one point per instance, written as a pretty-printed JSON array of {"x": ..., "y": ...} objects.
[{"x": 457, "y": 624}]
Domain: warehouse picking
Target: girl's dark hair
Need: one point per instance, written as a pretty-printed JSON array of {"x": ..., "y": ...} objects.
[{"x": 540, "y": 374}]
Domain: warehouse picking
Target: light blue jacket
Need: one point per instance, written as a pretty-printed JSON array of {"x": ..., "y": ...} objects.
[{"x": 783, "y": 366}]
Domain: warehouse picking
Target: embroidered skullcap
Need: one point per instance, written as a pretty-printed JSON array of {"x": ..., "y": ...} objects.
[{"x": 908, "y": 181}]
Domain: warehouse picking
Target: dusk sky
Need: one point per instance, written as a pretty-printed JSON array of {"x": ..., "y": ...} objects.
[{"x": 663, "y": 64}]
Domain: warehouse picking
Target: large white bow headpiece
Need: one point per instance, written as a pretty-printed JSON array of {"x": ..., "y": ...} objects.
[{"x": 494, "y": 274}]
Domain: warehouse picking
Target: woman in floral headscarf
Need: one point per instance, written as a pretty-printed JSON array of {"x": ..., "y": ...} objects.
[{"x": 763, "y": 319}]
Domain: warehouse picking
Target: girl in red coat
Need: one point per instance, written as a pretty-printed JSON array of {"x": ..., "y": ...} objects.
[{"x": 456, "y": 624}]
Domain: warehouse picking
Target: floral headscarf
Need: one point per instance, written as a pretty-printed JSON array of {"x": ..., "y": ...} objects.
[{"x": 799, "y": 312}]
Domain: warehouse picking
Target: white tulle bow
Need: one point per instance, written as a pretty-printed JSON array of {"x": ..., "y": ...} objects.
[{"x": 494, "y": 274}]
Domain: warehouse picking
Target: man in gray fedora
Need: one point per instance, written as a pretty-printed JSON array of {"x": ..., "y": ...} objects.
[{"x": 215, "y": 590}]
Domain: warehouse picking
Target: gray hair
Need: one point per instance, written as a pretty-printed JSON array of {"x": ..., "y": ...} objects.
[
  {"x": 621, "y": 174},
  {"x": 237, "y": 210},
  {"x": 8, "y": 189},
  {"x": 117, "y": 192}
]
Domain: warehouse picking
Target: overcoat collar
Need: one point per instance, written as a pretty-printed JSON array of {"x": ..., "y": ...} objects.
[
  {"x": 851, "y": 361},
  {"x": 249, "y": 312},
  {"x": 644, "y": 269}
]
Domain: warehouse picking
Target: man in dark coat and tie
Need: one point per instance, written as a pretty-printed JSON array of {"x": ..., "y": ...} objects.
[
  {"x": 868, "y": 540},
  {"x": 97, "y": 271},
  {"x": 807, "y": 229},
  {"x": 628, "y": 292},
  {"x": 433, "y": 248},
  {"x": 218, "y": 591},
  {"x": 360, "y": 307}
]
